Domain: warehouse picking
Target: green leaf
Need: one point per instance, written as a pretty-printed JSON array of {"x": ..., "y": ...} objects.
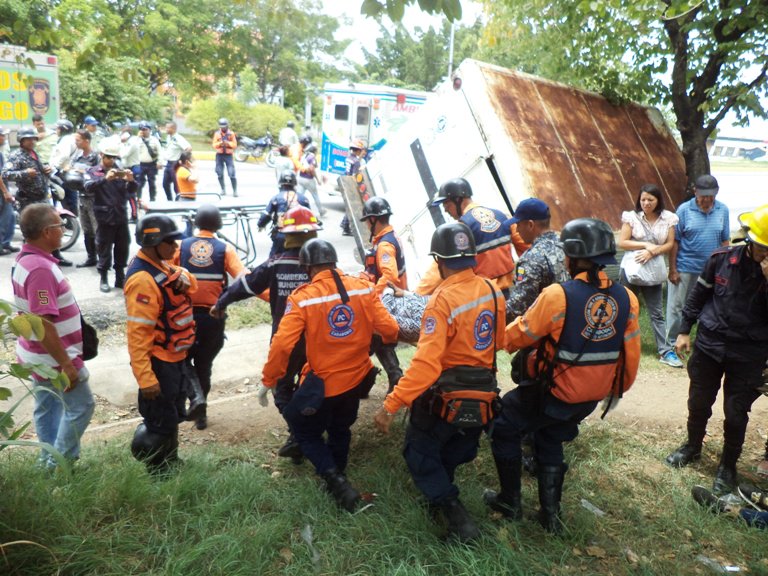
[
  {"x": 452, "y": 9},
  {"x": 6, "y": 308},
  {"x": 20, "y": 371},
  {"x": 395, "y": 10},
  {"x": 371, "y": 8},
  {"x": 5, "y": 393}
]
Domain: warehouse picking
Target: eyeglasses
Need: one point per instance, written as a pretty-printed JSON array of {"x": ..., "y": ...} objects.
[
  {"x": 60, "y": 226},
  {"x": 111, "y": 157}
]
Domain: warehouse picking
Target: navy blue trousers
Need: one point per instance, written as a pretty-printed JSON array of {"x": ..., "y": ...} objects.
[
  {"x": 161, "y": 415},
  {"x": 434, "y": 449}
]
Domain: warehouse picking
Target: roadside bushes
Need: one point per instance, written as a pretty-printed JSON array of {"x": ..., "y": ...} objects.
[{"x": 247, "y": 120}]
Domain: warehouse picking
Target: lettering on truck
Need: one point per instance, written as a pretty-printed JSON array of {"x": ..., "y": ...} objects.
[{"x": 12, "y": 110}]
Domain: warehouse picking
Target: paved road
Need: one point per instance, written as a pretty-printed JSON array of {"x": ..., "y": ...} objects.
[{"x": 256, "y": 185}]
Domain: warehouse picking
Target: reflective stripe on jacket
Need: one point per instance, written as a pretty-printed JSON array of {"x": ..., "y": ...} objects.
[
  {"x": 210, "y": 260},
  {"x": 456, "y": 330},
  {"x": 159, "y": 321},
  {"x": 611, "y": 355},
  {"x": 338, "y": 334},
  {"x": 385, "y": 261}
]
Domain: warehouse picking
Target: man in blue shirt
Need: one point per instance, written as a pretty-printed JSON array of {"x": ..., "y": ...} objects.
[{"x": 702, "y": 229}]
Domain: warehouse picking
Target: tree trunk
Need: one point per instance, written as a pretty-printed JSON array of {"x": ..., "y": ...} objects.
[{"x": 695, "y": 152}]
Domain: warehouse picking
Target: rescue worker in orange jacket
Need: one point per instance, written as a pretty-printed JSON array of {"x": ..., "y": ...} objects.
[
  {"x": 588, "y": 349},
  {"x": 338, "y": 315},
  {"x": 384, "y": 265},
  {"x": 462, "y": 327},
  {"x": 491, "y": 232},
  {"x": 225, "y": 143},
  {"x": 160, "y": 328},
  {"x": 212, "y": 262}
]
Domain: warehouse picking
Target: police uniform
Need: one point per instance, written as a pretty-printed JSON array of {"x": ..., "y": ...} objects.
[
  {"x": 384, "y": 264},
  {"x": 160, "y": 330},
  {"x": 210, "y": 261},
  {"x": 538, "y": 267},
  {"x": 457, "y": 330},
  {"x": 338, "y": 326}
]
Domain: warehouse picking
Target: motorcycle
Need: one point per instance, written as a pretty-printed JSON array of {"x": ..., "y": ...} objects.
[
  {"x": 71, "y": 222},
  {"x": 247, "y": 147}
]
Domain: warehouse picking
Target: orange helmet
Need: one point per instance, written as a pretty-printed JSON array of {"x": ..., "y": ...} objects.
[{"x": 299, "y": 220}]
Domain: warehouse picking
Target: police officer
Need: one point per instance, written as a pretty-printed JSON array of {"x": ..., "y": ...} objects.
[
  {"x": 337, "y": 314},
  {"x": 111, "y": 189},
  {"x": 161, "y": 329},
  {"x": 212, "y": 262},
  {"x": 491, "y": 231},
  {"x": 281, "y": 274},
  {"x": 461, "y": 330},
  {"x": 730, "y": 303},
  {"x": 588, "y": 349},
  {"x": 149, "y": 159},
  {"x": 61, "y": 158},
  {"x": 384, "y": 265},
  {"x": 278, "y": 205}
]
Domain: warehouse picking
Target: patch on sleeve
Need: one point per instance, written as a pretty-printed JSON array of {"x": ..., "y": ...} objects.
[
  {"x": 429, "y": 324},
  {"x": 288, "y": 307},
  {"x": 385, "y": 258},
  {"x": 142, "y": 298},
  {"x": 42, "y": 297}
]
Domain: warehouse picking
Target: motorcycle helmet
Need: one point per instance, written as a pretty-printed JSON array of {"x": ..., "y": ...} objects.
[
  {"x": 287, "y": 179},
  {"x": 305, "y": 140},
  {"x": 208, "y": 217},
  {"x": 590, "y": 239},
  {"x": 299, "y": 220},
  {"x": 110, "y": 146},
  {"x": 223, "y": 122},
  {"x": 64, "y": 126},
  {"x": 316, "y": 252},
  {"x": 290, "y": 124},
  {"x": 26, "y": 133},
  {"x": 154, "y": 229},
  {"x": 375, "y": 207},
  {"x": 357, "y": 145}
]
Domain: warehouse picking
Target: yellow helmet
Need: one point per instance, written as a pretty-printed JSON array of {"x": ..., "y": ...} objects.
[{"x": 756, "y": 224}]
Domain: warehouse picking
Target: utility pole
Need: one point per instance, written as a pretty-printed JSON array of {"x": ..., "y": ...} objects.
[{"x": 450, "y": 51}]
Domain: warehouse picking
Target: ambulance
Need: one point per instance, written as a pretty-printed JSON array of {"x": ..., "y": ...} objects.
[{"x": 368, "y": 112}]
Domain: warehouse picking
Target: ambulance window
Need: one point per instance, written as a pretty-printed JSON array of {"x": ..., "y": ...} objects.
[
  {"x": 363, "y": 116},
  {"x": 341, "y": 112}
]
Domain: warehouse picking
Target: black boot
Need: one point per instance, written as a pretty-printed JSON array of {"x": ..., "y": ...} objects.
[
  {"x": 550, "y": 491},
  {"x": 687, "y": 453},
  {"x": 234, "y": 186},
  {"x": 726, "y": 478},
  {"x": 90, "y": 249},
  {"x": 292, "y": 450},
  {"x": 104, "y": 284},
  {"x": 197, "y": 401},
  {"x": 119, "y": 278},
  {"x": 341, "y": 490},
  {"x": 508, "y": 500},
  {"x": 62, "y": 261},
  {"x": 461, "y": 527}
]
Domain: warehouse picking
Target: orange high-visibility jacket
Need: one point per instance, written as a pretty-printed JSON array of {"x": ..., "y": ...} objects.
[
  {"x": 338, "y": 335},
  {"x": 456, "y": 330}
]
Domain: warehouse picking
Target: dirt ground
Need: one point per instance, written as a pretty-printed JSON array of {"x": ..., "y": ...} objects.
[{"x": 656, "y": 406}]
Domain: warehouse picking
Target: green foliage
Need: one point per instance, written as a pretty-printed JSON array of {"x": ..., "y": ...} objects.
[
  {"x": 418, "y": 61},
  {"x": 247, "y": 120},
  {"x": 395, "y": 9},
  {"x": 112, "y": 92}
]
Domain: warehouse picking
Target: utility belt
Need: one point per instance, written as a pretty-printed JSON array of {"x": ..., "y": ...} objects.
[{"x": 465, "y": 396}]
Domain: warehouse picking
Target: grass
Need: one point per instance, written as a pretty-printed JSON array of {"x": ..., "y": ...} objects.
[{"x": 241, "y": 511}]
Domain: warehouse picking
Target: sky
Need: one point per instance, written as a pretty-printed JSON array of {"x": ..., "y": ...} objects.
[{"x": 364, "y": 31}]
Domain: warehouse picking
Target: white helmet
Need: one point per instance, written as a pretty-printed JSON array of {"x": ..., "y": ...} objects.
[{"x": 110, "y": 146}]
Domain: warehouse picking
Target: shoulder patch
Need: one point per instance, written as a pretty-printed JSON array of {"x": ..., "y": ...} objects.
[
  {"x": 486, "y": 218},
  {"x": 429, "y": 325}
]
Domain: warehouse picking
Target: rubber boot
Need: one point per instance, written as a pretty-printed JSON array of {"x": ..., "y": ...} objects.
[
  {"x": 508, "y": 500},
  {"x": 341, "y": 490},
  {"x": 687, "y": 453},
  {"x": 119, "y": 278},
  {"x": 222, "y": 186},
  {"x": 234, "y": 186},
  {"x": 104, "y": 284},
  {"x": 197, "y": 402},
  {"x": 550, "y": 491},
  {"x": 90, "y": 249},
  {"x": 461, "y": 527},
  {"x": 726, "y": 478}
]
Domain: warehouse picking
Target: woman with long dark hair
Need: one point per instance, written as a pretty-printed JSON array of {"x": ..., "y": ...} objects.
[{"x": 186, "y": 177}]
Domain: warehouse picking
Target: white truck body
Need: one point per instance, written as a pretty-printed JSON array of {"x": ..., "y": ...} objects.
[{"x": 514, "y": 136}]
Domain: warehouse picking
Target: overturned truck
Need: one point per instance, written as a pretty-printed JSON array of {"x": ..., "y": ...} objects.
[{"x": 515, "y": 136}]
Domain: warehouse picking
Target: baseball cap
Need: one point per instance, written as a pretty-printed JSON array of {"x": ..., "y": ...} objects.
[
  {"x": 91, "y": 121},
  {"x": 706, "y": 185},
  {"x": 530, "y": 209},
  {"x": 144, "y": 125}
]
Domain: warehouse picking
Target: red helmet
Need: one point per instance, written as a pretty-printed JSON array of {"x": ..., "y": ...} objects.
[{"x": 299, "y": 220}]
